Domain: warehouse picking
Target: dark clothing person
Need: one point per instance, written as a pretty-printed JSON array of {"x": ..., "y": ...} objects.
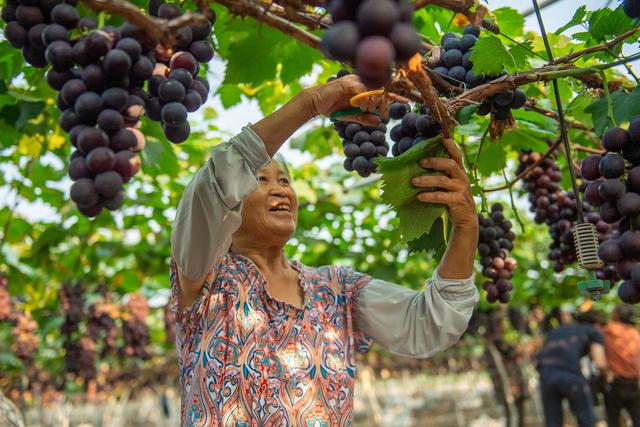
[
  {"x": 560, "y": 376},
  {"x": 557, "y": 385},
  {"x": 622, "y": 345}
]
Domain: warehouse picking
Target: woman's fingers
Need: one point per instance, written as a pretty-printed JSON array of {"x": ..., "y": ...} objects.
[
  {"x": 436, "y": 181},
  {"x": 449, "y": 166},
  {"x": 441, "y": 197}
]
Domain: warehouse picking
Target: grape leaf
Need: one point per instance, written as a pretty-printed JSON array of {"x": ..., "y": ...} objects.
[
  {"x": 520, "y": 54},
  {"x": 466, "y": 113},
  {"x": 605, "y": 24},
  {"x": 493, "y": 157},
  {"x": 230, "y": 95},
  {"x": 626, "y": 106},
  {"x": 577, "y": 18},
  {"x": 416, "y": 217},
  {"x": 435, "y": 240},
  {"x": 490, "y": 56},
  {"x": 511, "y": 21}
]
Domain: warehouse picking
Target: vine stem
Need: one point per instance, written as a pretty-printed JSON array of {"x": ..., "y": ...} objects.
[
  {"x": 607, "y": 95},
  {"x": 26, "y": 172},
  {"x": 563, "y": 127},
  {"x": 513, "y": 203},
  {"x": 629, "y": 70}
]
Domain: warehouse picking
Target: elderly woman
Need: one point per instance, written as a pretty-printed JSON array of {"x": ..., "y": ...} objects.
[{"x": 267, "y": 341}]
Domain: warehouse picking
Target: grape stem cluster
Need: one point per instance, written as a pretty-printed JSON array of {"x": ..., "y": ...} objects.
[{"x": 162, "y": 30}]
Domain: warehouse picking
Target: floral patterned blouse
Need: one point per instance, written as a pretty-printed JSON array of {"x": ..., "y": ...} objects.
[{"x": 247, "y": 359}]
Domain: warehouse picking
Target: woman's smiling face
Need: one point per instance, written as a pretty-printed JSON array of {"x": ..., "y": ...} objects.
[{"x": 271, "y": 211}]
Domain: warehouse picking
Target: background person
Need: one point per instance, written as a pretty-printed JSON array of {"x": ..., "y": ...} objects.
[
  {"x": 622, "y": 345},
  {"x": 561, "y": 378}
]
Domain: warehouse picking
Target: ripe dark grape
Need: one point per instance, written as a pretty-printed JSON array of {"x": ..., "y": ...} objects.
[
  {"x": 100, "y": 159},
  {"x": 373, "y": 60},
  {"x": 192, "y": 101},
  {"x": 202, "y": 51},
  {"x": 110, "y": 121},
  {"x": 127, "y": 164},
  {"x": 78, "y": 169},
  {"x": 16, "y": 34},
  {"x": 123, "y": 139},
  {"x": 131, "y": 47},
  {"x": 34, "y": 56},
  {"x": 169, "y": 11},
  {"x": 108, "y": 184},
  {"x": 83, "y": 192},
  {"x": 173, "y": 113},
  {"x": 171, "y": 90},
  {"x": 611, "y": 189},
  {"x": 184, "y": 60},
  {"x": 177, "y": 134},
  {"x": 615, "y": 139},
  {"x": 115, "y": 98},
  {"x": 117, "y": 63},
  {"x": 88, "y": 106},
  {"x": 611, "y": 165},
  {"x": 28, "y": 16},
  {"x": 467, "y": 42},
  {"x": 590, "y": 167},
  {"x": 91, "y": 138},
  {"x": 452, "y": 57},
  {"x": 65, "y": 15}
]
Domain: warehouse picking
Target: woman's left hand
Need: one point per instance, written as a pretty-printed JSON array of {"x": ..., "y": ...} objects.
[{"x": 453, "y": 189}]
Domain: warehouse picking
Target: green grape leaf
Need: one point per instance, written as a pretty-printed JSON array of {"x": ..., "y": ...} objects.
[
  {"x": 605, "y": 24},
  {"x": 493, "y": 157},
  {"x": 577, "y": 18},
  {"x": 230, "y": 95},
  {"x": 435, "y": 240},
  {"x": 511, "y": 21},
  {"x": 416, "y": 217},
  {"x": 626, "y": 107},
  {"x": 520, "y": 54},
  {"x": 490, "y": 56}
]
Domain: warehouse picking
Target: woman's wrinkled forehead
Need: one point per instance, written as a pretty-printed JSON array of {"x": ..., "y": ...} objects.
[{"x": 280, "y": 164}]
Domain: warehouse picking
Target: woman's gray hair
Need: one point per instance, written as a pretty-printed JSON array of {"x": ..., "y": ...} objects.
[{"x": 283, "y": 164}]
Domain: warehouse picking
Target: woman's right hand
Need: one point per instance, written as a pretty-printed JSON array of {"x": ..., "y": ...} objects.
[{"x": 335, "y": 95}]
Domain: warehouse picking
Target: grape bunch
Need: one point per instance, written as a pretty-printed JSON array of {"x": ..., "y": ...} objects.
[
  {"x": 495, "y": 243},
  {"x": 615, "y": 188},
  {"x": 413, "y": 127},
  {"x": 455, "y": 63},
  {"x": 134, "y": 329},
  {"x": 33, "y": 25},
  {"x": 456, "y": 67},
  {"x": 553, "y": 207},
  {"x": 371, "y": 35},
  {"x": 101, "y": 324},
  {"x": 175, "y": 89},
  {"x": 80, "y": 357},
  {"x": 25, "y": 340},
  {"x": 72, "y": 301},
  {"x": 5, "y": 298},
  {"x": 361, "y": 144}
]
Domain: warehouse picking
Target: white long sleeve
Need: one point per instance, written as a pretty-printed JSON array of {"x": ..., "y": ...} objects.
[
  {"x": 210, "y": 209},
  {"x": 416, "y": 323}
]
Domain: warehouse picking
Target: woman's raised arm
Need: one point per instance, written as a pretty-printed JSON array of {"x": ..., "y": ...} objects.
[
  {"x": 210, "y": 209},
  {"x": 420, "y": 324}
]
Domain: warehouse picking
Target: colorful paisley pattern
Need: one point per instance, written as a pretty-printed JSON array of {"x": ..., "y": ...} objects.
[{"x": 247, "y": 359}]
